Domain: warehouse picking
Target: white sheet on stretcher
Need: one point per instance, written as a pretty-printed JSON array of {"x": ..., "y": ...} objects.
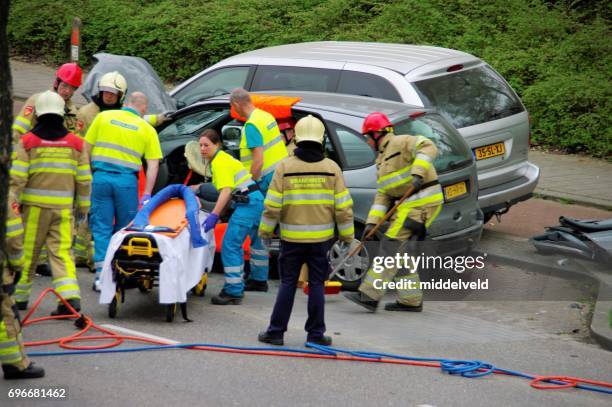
[{"x": 181, "y": 268}]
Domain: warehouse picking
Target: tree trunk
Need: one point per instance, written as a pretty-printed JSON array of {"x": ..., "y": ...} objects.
[{"x": 6, "y": 120}]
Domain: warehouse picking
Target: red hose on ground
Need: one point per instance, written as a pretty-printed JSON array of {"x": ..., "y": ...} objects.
[{"x": 86, "y": 324}]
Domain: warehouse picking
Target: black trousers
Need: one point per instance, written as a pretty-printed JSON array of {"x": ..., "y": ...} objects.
[{"x": 290, "y": 260}]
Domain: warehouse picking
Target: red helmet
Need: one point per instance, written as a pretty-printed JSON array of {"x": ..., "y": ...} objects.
[
  {"x": 287, "y": 123},
  {"x": 70, "y": 73},
  {"x": 375, "y": 122}
]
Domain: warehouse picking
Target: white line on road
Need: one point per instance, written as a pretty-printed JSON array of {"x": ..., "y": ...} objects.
[{"x": 138, "y": 333}]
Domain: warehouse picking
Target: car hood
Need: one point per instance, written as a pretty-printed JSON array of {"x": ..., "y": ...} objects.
[{"x": 139, "y": 75}]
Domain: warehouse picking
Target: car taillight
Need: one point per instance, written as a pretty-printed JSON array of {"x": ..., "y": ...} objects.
[
  {"x": 454, "y": 68},
  {"x": 416, "y": 114}
]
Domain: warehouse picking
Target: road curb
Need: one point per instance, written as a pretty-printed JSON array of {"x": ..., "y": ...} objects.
[
  {"x": 601, "y": 329},
  {"x": 572, "y": 199}
]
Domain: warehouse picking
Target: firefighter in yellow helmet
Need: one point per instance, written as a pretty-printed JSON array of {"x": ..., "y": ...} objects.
[
  {"x": 403, "y": 160},
  {"x": 48, "y": 171},
  {"x": 15, "y": 362},
  {"x": 309, "y": 199}
]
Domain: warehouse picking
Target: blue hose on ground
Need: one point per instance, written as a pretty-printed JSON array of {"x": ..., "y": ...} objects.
[{"x": 465, "y": 368}]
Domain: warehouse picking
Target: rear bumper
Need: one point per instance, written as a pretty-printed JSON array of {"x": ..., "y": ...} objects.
[
  {"x": 459, "y": 242},
  {"x": 507, "y": 194}
]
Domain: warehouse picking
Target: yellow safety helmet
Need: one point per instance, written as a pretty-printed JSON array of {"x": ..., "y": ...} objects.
[
  {"x": 309, "y": 128},
  {"x": 113, "y": 82},
  {"x": 49, "y": 102}
]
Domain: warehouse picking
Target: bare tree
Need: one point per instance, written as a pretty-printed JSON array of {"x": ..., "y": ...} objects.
[{"x": 6, "y": 119}]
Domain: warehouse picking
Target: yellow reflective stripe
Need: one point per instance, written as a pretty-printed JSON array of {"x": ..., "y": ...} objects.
[
  {"x": 273, "y": 199},
  {"x": 52, "y": 171},
  {"x": 151, "y": 119},
  {"x": 266, "y": 224},
  {"x": 306, "y": 231},
  {"x": 22, "y": 125},
  {"x": 346, "y": 229},
  {"x": 434, "y": 216},
  {"x": 398, "y": 224},
  {"x": 64, "y": 254},
  {"x": 32, "y": 195},
  {"x": 394, "y": 179},
  {"x": 83, "y": 173},
  {"x": 19, "y": 167},
  {"x": 421, "y": 163},
  {"x": 309, "y": 197},
  {"x": 343, "y": 199},
  {"x": 420, "y": 140},
  {"x": 14, "y": 227}
]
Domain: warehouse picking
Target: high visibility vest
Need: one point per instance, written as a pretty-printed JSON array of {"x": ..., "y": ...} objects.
[
  {"x": 120, "y": 138},
  {"x": 227, "y": 172},
  {"x": 274, "y": 149}
]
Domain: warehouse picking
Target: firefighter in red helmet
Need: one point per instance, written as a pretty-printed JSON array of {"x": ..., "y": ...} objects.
[{"x": 403, "y": 161}]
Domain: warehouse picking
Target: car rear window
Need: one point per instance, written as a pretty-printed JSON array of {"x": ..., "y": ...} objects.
[
  {"x": 268, "y": 77},
  {"x": 453, "y": 152},
  {"x": 366, "y": 84},
  {"x": 470, "y": 97}
]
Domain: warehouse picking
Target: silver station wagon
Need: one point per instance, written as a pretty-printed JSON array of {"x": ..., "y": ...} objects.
[
  {"x": 466, "y": 90},
  {"x": 457, "y": 228}
]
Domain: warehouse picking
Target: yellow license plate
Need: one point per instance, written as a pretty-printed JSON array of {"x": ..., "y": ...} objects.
[
  {"x": 492, "y": 150},
  {"x": 455, "y": 190}
]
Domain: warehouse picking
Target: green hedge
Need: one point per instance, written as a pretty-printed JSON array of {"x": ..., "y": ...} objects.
[{"x": 556, "y": 57}]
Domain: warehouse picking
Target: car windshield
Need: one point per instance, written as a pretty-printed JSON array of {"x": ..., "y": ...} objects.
[
  {"x": 191, "y": 125},
  {"x": 470, "y": 97},
  {"x": 452, "y": 150}
]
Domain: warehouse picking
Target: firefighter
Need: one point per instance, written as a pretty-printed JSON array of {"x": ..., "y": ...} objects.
[
  {"x": 48, "y": 170},
  {"x": 261, "y": 149},
  {"x": 15, "y": 362},
  {"x": 287, "y": 129},
  {"x": 235, "y": 185},
  {"x": 116, "y": 142},
  {"x": 67, "y": 79},
  {"x": 308, "y": 198},
  {"x": 112, "y": 89},
  {"x": 403, "y": 160}
]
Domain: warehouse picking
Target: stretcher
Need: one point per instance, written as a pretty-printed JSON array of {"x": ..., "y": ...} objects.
[{"x": 161, "y": 255}]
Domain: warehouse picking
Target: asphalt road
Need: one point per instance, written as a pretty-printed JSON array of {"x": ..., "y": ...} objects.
[{"x": 539, "y": 337}]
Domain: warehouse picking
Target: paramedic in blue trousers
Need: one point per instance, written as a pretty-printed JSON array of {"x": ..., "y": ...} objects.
[
  {"x": 116, "y": 142},
  {"x": 261, "y": 148},
  {"x": 309, "y": 198},
  {"x": 235, "y": 185}
]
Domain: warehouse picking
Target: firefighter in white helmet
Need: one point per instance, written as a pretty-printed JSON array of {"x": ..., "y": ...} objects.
[
  {"x": 49, "y": 170},
  {"x": 309, "y": 199}
]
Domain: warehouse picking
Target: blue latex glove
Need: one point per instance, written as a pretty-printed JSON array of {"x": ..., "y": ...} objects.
[
  {"x": 210, "y": 222},
  {"x": 145, "y": 198}
]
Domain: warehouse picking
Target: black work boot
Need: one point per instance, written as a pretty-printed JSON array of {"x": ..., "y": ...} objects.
[
  {"x": 396, "y": 306},
  {"x": 63, "y": 310},
  {"x": 254, "y": 285},
  {"x": 363, "y": 300},
  {"x": 265, "y": 337},
  {"x": 225, "y": 299},
  {"x": 22, "y": 305},
  {"x": 43, "y": 270},
  {"x": 324, "y": 340},
  {"x": 30, "y": 372}
]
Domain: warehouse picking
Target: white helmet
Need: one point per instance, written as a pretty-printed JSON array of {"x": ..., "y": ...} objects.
[
  {"x": 49, "y": 102},
  {"x": 113, "y": 82},
  {"x": 309, "y": 128}
]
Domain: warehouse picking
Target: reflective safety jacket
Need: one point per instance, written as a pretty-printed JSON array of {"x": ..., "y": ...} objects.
[
  {"x": 120, "y": 138},
  {"x": 274, "y": 149},
  {"x": 308, "y": 199},
  {"x": 400, "y": 157},
  {"x": 227, "y": 172},
  {"x": 88, "y": 113},
  {"x": 49, "y": 173},
  {"x": 27, "y": 118},
  {"x": 13, "y": 245}
]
